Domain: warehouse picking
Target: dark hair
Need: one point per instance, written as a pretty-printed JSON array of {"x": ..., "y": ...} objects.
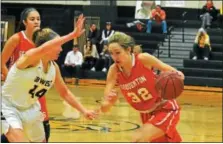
[
  {"x": 23, "y": 16},
  {"x": 90, "y": 44},
  {"x": 159, "y": 6},
  {"x": 41, "y": 36}
]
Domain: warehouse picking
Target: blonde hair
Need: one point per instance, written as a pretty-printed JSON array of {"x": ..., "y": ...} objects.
[
  {"x": 122, "y": 39},
  {"x": 41, "y": 36},
  {"x": 137, "y": 48}
]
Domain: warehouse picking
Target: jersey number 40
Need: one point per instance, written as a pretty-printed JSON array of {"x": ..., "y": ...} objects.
[{"x": 38, "y": 93}]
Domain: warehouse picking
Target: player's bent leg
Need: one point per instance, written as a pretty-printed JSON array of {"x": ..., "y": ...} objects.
[
  {"x": 147, "y": 133},
  {"x": 165, "y": 118},
  {"x": 16, "y": 135}
]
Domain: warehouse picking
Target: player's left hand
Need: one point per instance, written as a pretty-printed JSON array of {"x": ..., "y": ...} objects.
[
  {"x": 78, "y": 31},
  {"x": 90, "y": 114}
]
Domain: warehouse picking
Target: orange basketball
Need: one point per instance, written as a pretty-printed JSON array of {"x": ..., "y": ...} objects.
[{"x": 170, "y": 84}]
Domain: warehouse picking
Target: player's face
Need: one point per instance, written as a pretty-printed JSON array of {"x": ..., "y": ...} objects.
[
  {"x": 55, "y": 53},
  {"x": 118, "y": 53},
  {"x": 33, "y": 21}
]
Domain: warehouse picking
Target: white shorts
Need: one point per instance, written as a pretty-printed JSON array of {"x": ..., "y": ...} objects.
[{"x": 29, "y": 120}]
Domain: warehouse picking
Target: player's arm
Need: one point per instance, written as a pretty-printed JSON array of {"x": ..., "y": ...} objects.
[
  {"x": 33, "y": 56},
  {"x": 67, "y": 95},
  {"x": 8, "y": 49},
  {"x": 151, "y": 61},
  {"x": 110, "y": 95}
]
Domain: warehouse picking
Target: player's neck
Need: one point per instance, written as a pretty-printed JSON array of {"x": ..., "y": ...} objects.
[
  {"x": 128, "y": 66},
  {"x": 28, "y": 34}
]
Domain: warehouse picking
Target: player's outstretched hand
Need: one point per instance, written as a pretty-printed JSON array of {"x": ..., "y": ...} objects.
[
  {"x": 78, "y": 31},
  {"x": 90, "y": 114}
]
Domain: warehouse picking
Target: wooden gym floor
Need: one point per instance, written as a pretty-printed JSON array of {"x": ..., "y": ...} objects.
[{"x": 201, "y": 117}]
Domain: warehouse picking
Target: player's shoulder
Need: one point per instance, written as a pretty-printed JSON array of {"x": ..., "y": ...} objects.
[
  {"x": 15, "y": 37},
  {"x": 143, "y": 56}
]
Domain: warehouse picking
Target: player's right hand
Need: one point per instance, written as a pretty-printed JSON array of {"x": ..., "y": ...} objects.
[
  {"x": 112, "y": 96},
  {"x": 90, "y": 114}
]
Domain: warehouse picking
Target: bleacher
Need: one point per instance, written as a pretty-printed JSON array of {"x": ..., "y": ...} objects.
[
  {"x": 199, "y": 72},
  {"x": 207, "y": 73}
]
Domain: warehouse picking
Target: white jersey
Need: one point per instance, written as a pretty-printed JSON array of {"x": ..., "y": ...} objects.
[{"x": 23, "y": 88}]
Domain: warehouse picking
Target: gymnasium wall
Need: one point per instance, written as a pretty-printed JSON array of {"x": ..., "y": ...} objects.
[
  {"x": 188, "y": 4},
  {"x": 60, "y": 16}
]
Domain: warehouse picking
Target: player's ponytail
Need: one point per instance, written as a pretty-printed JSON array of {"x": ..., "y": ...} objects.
[{"x": 122, "y": 39}]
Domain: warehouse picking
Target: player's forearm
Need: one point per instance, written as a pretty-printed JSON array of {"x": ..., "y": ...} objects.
[
  {"x": 110, "y": 99},
  {"x": 72, "y": 100},
  {"x": 47, "y": 47},
  {"x": 167, "y": 67}
]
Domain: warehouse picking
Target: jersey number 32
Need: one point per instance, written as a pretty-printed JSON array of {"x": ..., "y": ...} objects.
[{"x": 142, "y": 95}]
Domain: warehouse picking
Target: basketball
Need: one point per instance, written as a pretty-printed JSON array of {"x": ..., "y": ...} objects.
[{"x": 170, "y": 84}]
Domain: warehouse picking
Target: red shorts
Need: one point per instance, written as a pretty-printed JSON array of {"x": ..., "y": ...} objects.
[
  {"x": 42, "y": 102},
  {"x": 166, "y": 118}
]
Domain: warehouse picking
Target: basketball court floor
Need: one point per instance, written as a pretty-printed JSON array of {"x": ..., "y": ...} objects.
[{"x": 201, "y": 117}]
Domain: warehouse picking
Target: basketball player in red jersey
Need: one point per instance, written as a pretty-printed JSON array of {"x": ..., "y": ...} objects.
[
  {"x": 136, "y": 81},
  {"x": 17, "y": 45}
]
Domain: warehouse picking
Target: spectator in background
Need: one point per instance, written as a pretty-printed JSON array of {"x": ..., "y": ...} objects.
[
  {"x": 104, "y": 61},
  {"x": 72, "y": 63},
  {"x": 159, "y": 16},
  {"x": 202, "y": 45},
  {"x": 94, "y": 36},
  {"x": 220, "y": 18},
  {"x": 106, "y": 33},
  {"x": 209, "y": 14},
  {"x": 90, "y": 55},
  {"x": 140, "y": 26}
]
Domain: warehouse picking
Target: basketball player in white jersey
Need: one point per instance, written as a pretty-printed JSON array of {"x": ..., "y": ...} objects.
[{"x": 31, "y": 77}]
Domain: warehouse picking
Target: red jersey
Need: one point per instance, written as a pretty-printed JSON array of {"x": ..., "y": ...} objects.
[
  {"x": 24, "y": 45},
  {"x": 139, "y": 88}
]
